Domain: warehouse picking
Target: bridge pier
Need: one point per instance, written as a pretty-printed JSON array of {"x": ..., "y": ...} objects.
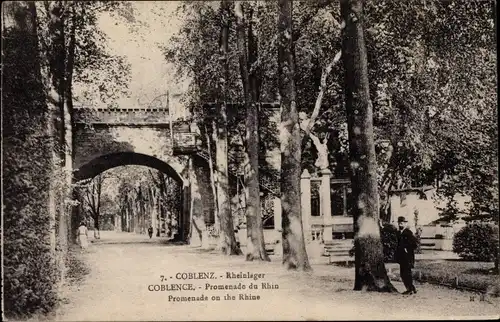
[
  {"x": 278, "y": 249},
  {"x": 184, "y": 221}
]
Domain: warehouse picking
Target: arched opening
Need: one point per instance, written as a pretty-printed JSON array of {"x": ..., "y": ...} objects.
[
  {"x": 108, "y": 161},
  {"x": 98, "y": 166}
]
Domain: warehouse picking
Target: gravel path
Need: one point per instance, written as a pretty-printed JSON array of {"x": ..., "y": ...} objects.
[{"x": 122, "y": 269}]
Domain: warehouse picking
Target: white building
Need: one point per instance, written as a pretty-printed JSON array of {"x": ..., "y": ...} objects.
[{"x": 421, "y": 207}]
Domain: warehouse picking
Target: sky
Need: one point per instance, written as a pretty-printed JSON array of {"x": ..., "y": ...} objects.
[{"x": 151, "y": 75}]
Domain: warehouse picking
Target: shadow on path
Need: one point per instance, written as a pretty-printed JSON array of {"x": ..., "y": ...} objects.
[{"x": 162, "y": 242}]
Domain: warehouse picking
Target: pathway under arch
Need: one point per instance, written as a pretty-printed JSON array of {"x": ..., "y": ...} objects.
[
  {"x": 106, "y": 138},
  {"x": 108, "y": 161}
]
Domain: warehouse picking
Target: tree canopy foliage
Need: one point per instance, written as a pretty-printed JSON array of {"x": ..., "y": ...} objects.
[{"x": 432, "y": 71}]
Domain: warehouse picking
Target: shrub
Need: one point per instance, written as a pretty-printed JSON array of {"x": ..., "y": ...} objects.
[
  {"x": 477, "y": 242},
  {"x": 461, "y": 274},
  {"x": 418, "y": 236},
  {"x": 30, "y": 270},
  {"x": 30, "y": 278},
  {"x": 389, "y": 238}
]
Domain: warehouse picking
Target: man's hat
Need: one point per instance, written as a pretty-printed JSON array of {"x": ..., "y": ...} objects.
[{"x": 402, "y": 219}]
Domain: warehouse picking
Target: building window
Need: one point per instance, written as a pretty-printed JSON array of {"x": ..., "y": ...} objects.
[
  {"x": 315, "y": 199},
  {"x": 315, "y": 207}
]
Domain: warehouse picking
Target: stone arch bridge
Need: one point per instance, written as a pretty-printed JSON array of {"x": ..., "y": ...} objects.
[{"x": 107, "y": 138}]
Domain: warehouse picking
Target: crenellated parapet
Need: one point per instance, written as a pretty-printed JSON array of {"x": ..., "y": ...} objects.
[
  {"x": 129, "y": 117},
  {"x": 184, "y": 141}
]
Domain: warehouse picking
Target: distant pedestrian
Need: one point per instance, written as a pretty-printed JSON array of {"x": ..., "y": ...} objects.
[
  {"x": 83, "y": 235},
  {"x": 405, "y": 254},
  {"x": 150, "y": 231}
]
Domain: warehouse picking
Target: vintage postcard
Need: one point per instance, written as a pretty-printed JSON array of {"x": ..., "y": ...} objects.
[{"x": 249, "y": 160}]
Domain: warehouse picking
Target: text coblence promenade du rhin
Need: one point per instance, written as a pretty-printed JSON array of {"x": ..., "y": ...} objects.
[{"x": 213, "y": 286}]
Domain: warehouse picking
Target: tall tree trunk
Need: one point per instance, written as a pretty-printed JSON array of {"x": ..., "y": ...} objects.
[
  {"x": 130, "y": 216},
  {"x": 256, "y": 248},
  {"x": 97, "y": 191},
  {"x": 57, "y": 64},
  {"x": 97, "y": 227},
  {"x": 227, "y": 239},
  {"x": 56, "y": 53},
  {"x": 51, "y": 73},
  {"x": 212, "y": 165},
  {"x": 213, "y": 181},
  {"x": 494, "y": 12},
  {"x": 294, "y": 249},
  {"x": 370, "y": 273},
  {"x": 256, "y": 233},
  {"x": 95, "y": 217},
  {"x": 60, "y": 63},
  {"x": 68, "y": 117},
  {"x": 143, "y": 216}
]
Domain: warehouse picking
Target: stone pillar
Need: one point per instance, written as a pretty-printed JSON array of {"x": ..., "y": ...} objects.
[
  {"x": 184, "y": 224},
  {"x": 277, "y": 213},
  {"x": 154, "y": 214},
  {"x": 305, "y": 201},
  {"x": 325, "y": 202},
  {"x": 278, "y": 249}
]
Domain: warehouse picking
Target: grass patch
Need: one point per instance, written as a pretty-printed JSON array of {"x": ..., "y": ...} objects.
[
  {"x": 477, "y": 276},
  {"x": 77, "y": 269}
]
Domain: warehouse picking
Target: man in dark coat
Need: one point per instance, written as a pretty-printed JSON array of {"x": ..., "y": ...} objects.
[{"x": 405, "y": 254}]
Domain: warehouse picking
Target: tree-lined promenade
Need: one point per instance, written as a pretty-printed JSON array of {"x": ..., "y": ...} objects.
[
  {"x": 390, "y": 95},
  {"x": 323, "y": 293}
]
